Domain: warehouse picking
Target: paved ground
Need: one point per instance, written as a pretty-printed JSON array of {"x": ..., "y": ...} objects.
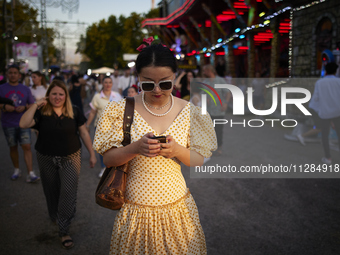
[{"x": 239, "y": 216}]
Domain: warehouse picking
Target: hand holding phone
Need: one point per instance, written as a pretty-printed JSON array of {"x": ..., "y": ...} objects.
[{"x": 161, "y": 139}]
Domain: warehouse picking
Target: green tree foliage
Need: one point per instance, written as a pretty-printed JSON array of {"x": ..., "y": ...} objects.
[
  {"x": 26, "y": 26},
  {"x": 152, "y": 14},
  {"x": 106, "y": 41}
]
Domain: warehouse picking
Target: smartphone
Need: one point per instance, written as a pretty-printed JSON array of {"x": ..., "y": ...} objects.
[{"x": 161, "y": 139}]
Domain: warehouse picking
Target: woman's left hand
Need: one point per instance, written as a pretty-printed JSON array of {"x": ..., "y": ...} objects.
[
  {"x": 93, "y": 160},
  {"x": 169, "y": 149},
  {"x": 20, "y": 109}
]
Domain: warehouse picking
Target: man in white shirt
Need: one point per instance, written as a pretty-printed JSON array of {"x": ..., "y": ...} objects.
[
  {"x": 326, "y": 102},
  {"x": 115, "y": 81},
  {"x": 125, "y": 81}
]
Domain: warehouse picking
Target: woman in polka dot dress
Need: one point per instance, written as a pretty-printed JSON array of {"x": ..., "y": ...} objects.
[{"x": 160, "y": 215}]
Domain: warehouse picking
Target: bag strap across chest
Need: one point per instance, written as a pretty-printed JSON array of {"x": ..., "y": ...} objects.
[{"x": 128, "y": 119}]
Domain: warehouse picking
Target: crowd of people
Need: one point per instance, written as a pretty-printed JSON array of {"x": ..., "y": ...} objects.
[
  {"x": 87, "y": 91},
  {"x": 61, "y": 109},
  {"x": 55, "y": 108}
]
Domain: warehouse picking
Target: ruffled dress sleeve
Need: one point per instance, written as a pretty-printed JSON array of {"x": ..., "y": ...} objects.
[
  {"x": 109, "y": 131},
  {"x": 202, "y": 136}
]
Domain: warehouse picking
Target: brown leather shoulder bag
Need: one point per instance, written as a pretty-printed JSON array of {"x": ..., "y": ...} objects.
[{"x": 110, "y": 191}]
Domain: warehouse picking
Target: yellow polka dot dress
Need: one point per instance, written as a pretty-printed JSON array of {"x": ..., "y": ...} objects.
[{"x": 160, "y": 215}]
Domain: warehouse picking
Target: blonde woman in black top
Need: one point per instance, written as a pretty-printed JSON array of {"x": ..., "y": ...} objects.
[{"x": 59, "y": 153}]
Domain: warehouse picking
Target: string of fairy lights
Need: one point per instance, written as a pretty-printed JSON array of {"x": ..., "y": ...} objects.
[
  {"x": 239, "y": 33},
  {"x": 290, "y": 46},
  {"x": 290, "y": 51}
]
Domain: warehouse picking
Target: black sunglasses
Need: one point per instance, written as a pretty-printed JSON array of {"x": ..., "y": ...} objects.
[{"x": 150, "y": 85}]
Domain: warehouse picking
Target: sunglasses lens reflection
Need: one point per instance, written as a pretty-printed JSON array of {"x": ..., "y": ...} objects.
[
  {"x": 166, "y": 85},
  {"x": 148, "y": 86}
]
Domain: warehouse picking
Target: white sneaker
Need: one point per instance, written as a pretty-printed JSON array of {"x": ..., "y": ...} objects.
[
  {"x": 16, "y": 174},
  {"x": 101, "y": 172},
  {"x": 31, "y": 177},
  {"x": 301, "y": 140},
  {"x": 326, "y": 161}
]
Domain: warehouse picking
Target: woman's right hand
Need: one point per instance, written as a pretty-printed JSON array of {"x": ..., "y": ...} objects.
[
  {"x": 41, "y": 102},
  {"x": 149, "y": 147},
  {"x": 27, "y": 120},
  {"x": 9, "y": 108}
]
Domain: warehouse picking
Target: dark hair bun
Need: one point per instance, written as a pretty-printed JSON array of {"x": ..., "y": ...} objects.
[{"x": 156, "y": 55}]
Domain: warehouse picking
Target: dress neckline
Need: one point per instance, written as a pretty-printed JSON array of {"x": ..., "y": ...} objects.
[{"x": 156, "y": 133}]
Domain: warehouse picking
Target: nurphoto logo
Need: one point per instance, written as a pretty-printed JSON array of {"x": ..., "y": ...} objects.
[{"x": 239, "y": 103}]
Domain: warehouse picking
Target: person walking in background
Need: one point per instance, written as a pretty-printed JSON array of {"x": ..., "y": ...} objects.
[
  {"x": 182, "y": 83},
  {"x": 242, "y": 85},
  {"x": 178, "y": 85},
  {"x": 39, "y": 87},
  {"x": 125, "y": 81},
  {"x": 59, "y": 153},
  {"x": 10, "y": 118},
  {"x": 83, "y": 87},
  {"x": 217, "y": 112},
  {"x": 92, "y": 84},
  {"x": 133, "y": 91},
  {"x": 326, "y": 102},
  {"x": 28, "y": 79},
  {"x": 313, "y": 131},
  {"x": 115, "y": 81},
  {"x": 221, "y": 68},
  {"x": 98, "y": 104},
  {"x": 75, "y": 93},
  {"x": 99, "y": 83},
  {"x": 195, "y": 97},
  {"x": 165, "y": 219},
  {"x": 259, "y": 91}
]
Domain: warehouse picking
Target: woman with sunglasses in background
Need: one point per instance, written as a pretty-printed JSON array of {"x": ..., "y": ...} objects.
[{"x": 159, "y": 215}]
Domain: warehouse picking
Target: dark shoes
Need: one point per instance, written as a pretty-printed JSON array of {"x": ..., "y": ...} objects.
[{"x": 67, "y": 243}]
